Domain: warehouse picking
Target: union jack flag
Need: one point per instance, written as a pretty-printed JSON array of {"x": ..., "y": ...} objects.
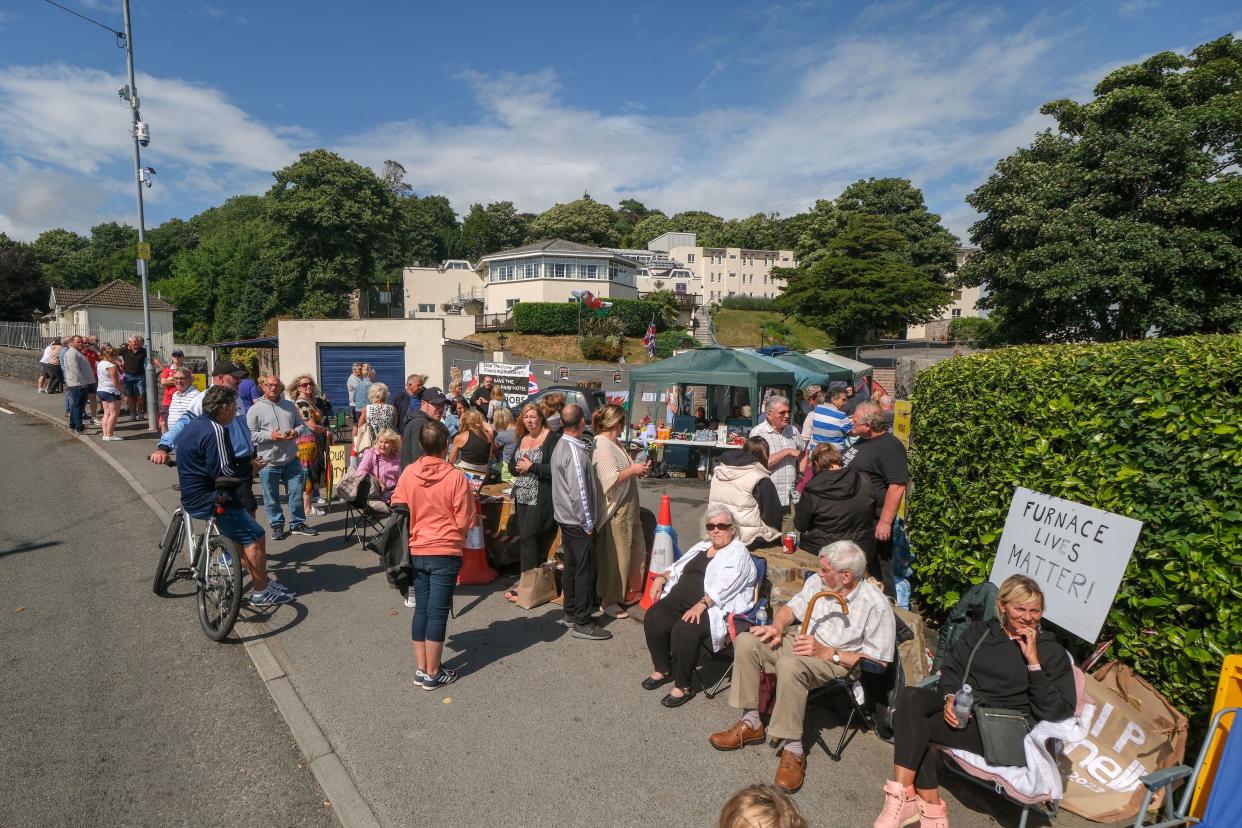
[
  {"x": 532, "y": 387},
  {"x": 650, "y": 338}
]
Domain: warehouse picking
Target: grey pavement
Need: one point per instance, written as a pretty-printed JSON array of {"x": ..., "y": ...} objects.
[
  {"x": 541, "y": 728},
  {"x": 118, "y": 711}
]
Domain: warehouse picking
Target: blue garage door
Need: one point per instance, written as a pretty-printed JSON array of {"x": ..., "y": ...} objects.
[{"x": 336, "y": 363}]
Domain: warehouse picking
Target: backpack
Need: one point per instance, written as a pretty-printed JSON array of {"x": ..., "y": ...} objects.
[{"x": 977, "y": 604}]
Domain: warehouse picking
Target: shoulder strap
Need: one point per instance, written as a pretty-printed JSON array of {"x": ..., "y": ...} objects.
[{"x": 975, "y": 649}]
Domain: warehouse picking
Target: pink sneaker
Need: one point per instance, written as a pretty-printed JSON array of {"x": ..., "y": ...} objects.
[
  {"x": 900, "y": 808},
  {"x": 933, "y": 816}
]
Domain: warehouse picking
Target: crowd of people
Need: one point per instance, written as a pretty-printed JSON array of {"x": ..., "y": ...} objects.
[{"x": 838, "y": 480}]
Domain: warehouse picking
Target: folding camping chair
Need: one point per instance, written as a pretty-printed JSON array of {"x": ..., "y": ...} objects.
[
  {"x": 362, "y": 519},
  {"x": 858, "y": 718},
  {"x": 751, "y": 615},
  {"x": 1224, "y": 799}
]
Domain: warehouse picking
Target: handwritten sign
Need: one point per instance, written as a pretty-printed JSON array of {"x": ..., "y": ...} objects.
[
  {"x": 338, "y": 460},
  {"x": 902, "y": 410},
  {"x": 1076, "y": 553}
]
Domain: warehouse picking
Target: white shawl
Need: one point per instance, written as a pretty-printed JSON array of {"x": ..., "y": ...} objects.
[{"x": 729, "y": 581}]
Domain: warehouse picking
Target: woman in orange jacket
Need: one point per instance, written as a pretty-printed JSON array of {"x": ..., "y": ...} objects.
[{"x": 442, "y": 508}]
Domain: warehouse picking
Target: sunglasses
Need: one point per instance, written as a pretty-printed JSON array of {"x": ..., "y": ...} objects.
[
  {"x": 306, "y": 385},
  {"x": 712, "y": 527}
]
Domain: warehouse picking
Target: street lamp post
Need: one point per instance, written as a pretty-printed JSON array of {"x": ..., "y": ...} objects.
[{"x": 141, "y": 176}]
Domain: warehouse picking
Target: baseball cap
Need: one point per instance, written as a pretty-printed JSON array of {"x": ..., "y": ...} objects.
[
  {"x": 228, "y": 368},
  {"x": 434, "y": 396},
  {"x": 178, "y": 352}
]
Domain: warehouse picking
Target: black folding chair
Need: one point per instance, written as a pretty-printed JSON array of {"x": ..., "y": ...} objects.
[
  {"x": 858, "y": 719},
  {"x": 751, "y": 615}
]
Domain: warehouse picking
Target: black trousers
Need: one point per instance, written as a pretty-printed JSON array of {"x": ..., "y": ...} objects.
[
  {"x": 918, "y": 722},
  {"x": 674, "y": 643},
  {"x": 880, "y": 563},
  {"x": 535, "y": 536},
  {"x": 578, "y": 581}
]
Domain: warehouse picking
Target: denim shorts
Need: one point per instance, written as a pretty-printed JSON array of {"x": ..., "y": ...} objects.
[
  {"x": 134, "y": 386},
  {"x": 238, "y": 526},
  {"x": 108, "y": 396}
]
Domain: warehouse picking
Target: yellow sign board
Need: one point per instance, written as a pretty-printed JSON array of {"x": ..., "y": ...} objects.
[
  {"x": 144, "y": 251},
  {"x": 337, "y": 457},
  {"x": 902, "y": 410},
  {"x": 200, "y": 382}
]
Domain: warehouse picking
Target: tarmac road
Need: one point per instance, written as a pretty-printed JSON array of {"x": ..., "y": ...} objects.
[{"x": 118, "y": 711}]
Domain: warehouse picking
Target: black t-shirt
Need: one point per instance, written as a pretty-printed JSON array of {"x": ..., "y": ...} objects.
[
  {"x": 689, "y": 587},
  {"x": 882, "y": 461},
  {"x": 135, "y": 362}
]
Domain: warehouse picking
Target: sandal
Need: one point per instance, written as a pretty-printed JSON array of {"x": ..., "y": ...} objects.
[
  {"x": 615, "y": 611},
  {"x": 511, "y": 596}
]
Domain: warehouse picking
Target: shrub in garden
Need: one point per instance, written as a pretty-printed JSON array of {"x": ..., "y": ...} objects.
[
  {"x": 546, "y": 317},
  {"x": 751, "y": 303},
  {"x": 669, "y": 341},
  {"x": 635, "y": 315},
  {"x": 1149, "y": 429},
  {"x": 607, "y": 348}
]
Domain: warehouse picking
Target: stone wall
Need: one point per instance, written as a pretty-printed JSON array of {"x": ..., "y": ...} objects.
[{"x": 20, "y": 363}]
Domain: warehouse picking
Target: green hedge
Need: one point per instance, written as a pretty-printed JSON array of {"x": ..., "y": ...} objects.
[
  {"x": 546, "y": 317},
  {"x": 669, "y": 341},
  {"x": 1147, "y": 429},
  {"x": 562, "y": 317},
  {"x": 753, "y": 303}
]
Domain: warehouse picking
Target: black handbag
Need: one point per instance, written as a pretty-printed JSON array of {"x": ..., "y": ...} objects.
[{"x": 1002, "y": 731}]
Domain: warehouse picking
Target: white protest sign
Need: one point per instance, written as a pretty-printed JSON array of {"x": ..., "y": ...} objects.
[
  {"x": 509, "y": 378},
  {"x": 1077, "y": 554}
]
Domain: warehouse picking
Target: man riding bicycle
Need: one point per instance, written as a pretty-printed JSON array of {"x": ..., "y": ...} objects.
[{"x": 205, "y": 453}]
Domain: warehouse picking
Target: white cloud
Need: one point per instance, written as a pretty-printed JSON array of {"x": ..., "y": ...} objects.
[
  {"x": 33, "y": 200},
  {"x": 1133, "y": 8}
]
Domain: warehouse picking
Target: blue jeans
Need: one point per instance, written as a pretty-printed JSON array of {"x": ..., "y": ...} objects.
[
  {"x": 435, "y": 579},
  {"x": 75, "y": 401},
  {"x": 294, "y": 477}
]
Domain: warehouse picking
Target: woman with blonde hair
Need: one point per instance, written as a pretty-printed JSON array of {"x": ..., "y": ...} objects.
[
  {"x": 312, "y": 446},
  {"x": 761, "y": 806},
  {"x": 384, "y": 461},
  {"x": 505, "y": 429},
  {"x": 532, "y": 493},
  {"x": 619, "y": 546},
  {"x": 378, "y": 414},
  {"x": 496, "y": 404},
  {"x": 1009, "y": 662},
  {"x": 471, "y": 449}
]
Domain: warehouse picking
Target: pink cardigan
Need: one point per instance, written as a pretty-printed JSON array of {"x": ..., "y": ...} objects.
[{"x": 388, "y": 470}]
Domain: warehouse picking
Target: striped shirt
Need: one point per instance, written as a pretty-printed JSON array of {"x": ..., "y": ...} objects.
[
  {"x": 785, "y": 474},
  {"x": 830, "y": 425},
  {"x": 180, "y": 403}
]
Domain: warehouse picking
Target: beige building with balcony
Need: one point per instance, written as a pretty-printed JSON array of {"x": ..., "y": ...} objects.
[
  {"x": 550, "y": 270},
  {"x": 965, "y": 304},
  {"x": 719, "y": 272}
]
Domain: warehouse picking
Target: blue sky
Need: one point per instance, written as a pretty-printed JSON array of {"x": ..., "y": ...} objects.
[{"x": 732, "y": 107}]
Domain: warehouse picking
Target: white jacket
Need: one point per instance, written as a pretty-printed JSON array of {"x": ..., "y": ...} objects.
[
  {"x": 734, "y": 487},
  {"x": 729, "y": 581}
]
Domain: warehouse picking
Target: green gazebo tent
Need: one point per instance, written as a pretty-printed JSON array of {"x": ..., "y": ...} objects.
[
  {"x": 714, "y": 366},
  {"x": 827, "y": 371}
]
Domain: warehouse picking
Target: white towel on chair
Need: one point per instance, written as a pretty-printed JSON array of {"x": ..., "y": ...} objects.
[{"x": 1040, "y": 779}]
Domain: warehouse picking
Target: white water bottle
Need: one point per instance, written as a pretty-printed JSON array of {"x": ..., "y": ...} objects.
[
  {"x": 963, "y": 702},
  {"x": 762, "y": 616}
]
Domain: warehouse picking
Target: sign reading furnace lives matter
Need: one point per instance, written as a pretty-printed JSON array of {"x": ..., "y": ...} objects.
[
  {"x": 1076, "y": 553},
  {"x": 509, "y": 378}
]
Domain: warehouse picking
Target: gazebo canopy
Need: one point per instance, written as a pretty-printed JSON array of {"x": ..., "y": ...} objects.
[
  {"x": 859, "y": 369},
  {"x": 716, "y": 366},
  {"x": 826, "y": 371},
  {"x": 803, "y": 375}
]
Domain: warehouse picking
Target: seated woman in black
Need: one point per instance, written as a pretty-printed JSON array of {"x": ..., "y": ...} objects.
[
  {"x": 837, "y": 504},
  {"x": 1017, "y": 666}
]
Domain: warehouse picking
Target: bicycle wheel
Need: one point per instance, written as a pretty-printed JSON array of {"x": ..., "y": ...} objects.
[
  {"x": 170, "y": 550},
  {"x": 220, "y": 588}
]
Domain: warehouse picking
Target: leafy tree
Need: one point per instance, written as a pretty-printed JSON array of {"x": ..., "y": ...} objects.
[
  {"x": 393, "y": 177},
  {"x": 629, "y": 213},
  {"x": 585, "y": 221},
  {"x": 207, "y": 281},
  {"x": 498, "y": 226},
  {"x": 667, "y": 301},
  {"x": 1127, "y": 218},
  {"x": 21, "y": 284},
  {"x": 427, "y": 225},
  {"x": 862, "y": 286},
  {"x": 168, "y": 240},
  {"x": 256, "y": 301},
  {"x": 973, "y": 328},
  {"x": 706, "y": 225},
  {"x": 334, "y": 222},
  {"x": 932, "y": 248},
  {"x": 653, "y": 225},
  {"x": 757, "y": 232},
  {"x": 62, "y": 260},
  {"x": 112, "y": 253},
  {"x": 816, "y": 230}
]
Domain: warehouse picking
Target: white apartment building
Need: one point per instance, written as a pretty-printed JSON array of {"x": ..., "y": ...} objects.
[
  {"x": 719, "y": 272},
  {"x": 549, "y": 270},
  {"x": 453, "y": 288},
  {"x": 965, "y": 304}
]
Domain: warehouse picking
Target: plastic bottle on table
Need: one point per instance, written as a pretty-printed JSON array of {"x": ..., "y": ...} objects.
[{"x": 963, "y": 702}]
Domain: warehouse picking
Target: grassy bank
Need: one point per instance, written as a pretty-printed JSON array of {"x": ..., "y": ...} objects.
[
  {"x": 741, "y": 329},
  {"x": 555, "y": 348}
]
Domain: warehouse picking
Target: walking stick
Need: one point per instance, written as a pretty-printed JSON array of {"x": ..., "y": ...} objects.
[{"x": 810, "y": 605}]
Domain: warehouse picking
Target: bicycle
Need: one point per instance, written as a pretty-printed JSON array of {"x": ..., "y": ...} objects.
[{"x": 214, "y": 565}]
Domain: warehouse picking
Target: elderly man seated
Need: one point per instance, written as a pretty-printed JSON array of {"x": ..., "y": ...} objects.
[{"x": 835, "y": 644}]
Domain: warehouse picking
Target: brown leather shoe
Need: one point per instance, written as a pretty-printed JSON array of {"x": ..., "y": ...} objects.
[
  {"x": 737, "y": 736},
  {"x": 790, "y": 772}
]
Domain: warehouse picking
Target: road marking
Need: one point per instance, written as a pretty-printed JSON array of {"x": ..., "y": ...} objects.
[{"x": 5, "y": 410}]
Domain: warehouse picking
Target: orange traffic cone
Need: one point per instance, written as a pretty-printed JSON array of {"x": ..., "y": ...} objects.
[
  {"x": 474, "y": 567},
  {"x": 662, "y": 550}
]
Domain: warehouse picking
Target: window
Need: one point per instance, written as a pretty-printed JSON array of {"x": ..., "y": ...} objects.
[
  {"x": 612, "y": 272},
  {"x": 559, "y": 270},
  {"x": 592, "y": 271},
  {"x": 509, "y": 303},
  {"x": 690, "y": 258},
  {"x": 530, "y": 270},
  {"x": 957, "y": 295},
  {"x": 957, "y": 313},
  {"x": 425, "y": 307}
]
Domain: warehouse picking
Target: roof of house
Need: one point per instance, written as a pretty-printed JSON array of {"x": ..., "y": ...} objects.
[
  {"x": 553, "y": 246},
  {"x": 115, "y": 294}
]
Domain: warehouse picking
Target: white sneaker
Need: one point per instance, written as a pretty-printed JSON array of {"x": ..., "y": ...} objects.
[
  {"x": 112, "y": 439},
  {"x": 409, "y": 600},
  {"x": 321, "y": 501},
  {"x": 315, "y": 510}
]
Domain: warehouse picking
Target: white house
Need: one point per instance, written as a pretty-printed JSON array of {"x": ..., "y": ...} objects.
[{"x": 113, "y": 312}]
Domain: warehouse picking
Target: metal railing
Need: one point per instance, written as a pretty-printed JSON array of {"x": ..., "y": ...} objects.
[
  {"x": 22, "y": 335},
  {"x": 493, "y": 322}
]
